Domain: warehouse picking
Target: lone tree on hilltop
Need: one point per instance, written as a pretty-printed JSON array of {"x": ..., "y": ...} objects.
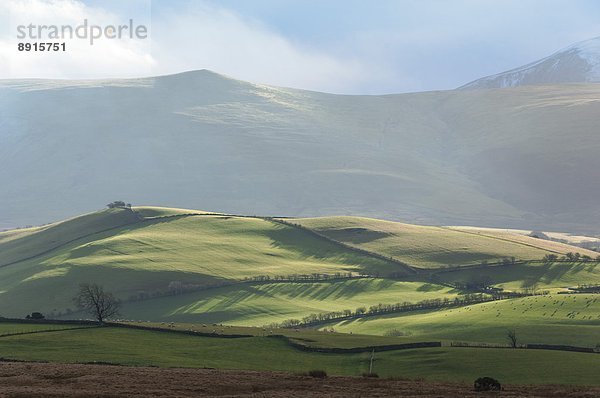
[
  {"x": 95, "y": 301},
  {"x": 118, "y": 204}
]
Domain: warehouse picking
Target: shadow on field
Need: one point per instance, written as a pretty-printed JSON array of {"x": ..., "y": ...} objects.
[
  {"x": 528, "y": 274},
  {"x": 306, "y": 246}
]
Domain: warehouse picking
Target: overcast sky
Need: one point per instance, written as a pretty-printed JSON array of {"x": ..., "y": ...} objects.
[{"x": 345, "y": 46}]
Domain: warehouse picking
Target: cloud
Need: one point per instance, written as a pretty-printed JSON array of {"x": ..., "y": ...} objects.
[
  {"x": 106, "y": 58},
  {"x": 349, "y": 46},
  {"x": 196, "y": 36},
  {"x": 203, "y": 36}
]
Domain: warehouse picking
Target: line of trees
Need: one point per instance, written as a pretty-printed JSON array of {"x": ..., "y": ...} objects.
[
  {"x": 379, "y": 309},
  {"x": 587, "y": 289},
  {"x": 176, "y": 288},
  {"x": 304, "y": 277},
  {"x": 569, "y": 257}
]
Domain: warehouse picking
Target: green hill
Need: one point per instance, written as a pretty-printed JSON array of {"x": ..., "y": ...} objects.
[
  {"x": 18, "y": 245},
  {"x": 194, "y": 266},
  {"x": 432, "y": 247},
  {"x": 261, "y": 304},
  {"x": 136, "y": 256}
]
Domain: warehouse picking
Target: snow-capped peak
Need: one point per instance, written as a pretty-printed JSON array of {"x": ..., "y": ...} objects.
[{"x": 578, "y": 63}]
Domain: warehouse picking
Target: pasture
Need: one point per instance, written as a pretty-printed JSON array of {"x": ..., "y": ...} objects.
[
  {"x": 429, "y": 246},
  {"x": 145, "y": 348},
  {"x": 553, "y": 319}
]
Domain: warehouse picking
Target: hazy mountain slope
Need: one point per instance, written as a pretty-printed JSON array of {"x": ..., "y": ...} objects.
[
  {"x": 579, "y": 63},
  {"x": 525, "y": 157}
]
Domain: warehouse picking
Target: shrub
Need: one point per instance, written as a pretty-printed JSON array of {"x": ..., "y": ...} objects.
[
  {"x": 118, "y": 204},
  {"x": 374, "y": 375},
  {"x": 487, "y": 384},
  {"x": 395, "y": 333},
  {"x": 318, "y": 374},
  {"x": 35, "y": 315}
]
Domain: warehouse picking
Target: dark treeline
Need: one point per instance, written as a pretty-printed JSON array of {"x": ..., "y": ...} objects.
[
  {"x": 379, "y": 309},
  {"x": 530, "y": 346},
  {"x": 176, "y": 288},
  {"x": 586, "y": 289},
  {"x": 569, "y": 257},
  {"x": 304, "y": 277}
]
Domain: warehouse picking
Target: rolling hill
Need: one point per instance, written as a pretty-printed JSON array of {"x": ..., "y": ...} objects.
[
  {"x": 432, "y": 247},
  {"x": 208, "y": 289},
  {"x": 195, "y": 266},
  {"x": 524, "y": 157}
]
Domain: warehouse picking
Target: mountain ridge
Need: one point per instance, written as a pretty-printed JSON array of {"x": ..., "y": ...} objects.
[
  {"x": 577, "y": 63},
  {"x": 519, "y": 158}
]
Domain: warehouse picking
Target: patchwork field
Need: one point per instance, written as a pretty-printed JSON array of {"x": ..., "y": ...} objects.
[
  {"x": 222, "y": 275},
  {"x": 554, "y": 319},
  {"x": 265, "y": 303},
  {"x": 187, "y": 265},
  {"x": 143, "y": 348}
]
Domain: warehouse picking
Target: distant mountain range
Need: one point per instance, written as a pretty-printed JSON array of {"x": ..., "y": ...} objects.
[
  {"x": 525, "y": 157},
  {"x": 579, "y": 63}
]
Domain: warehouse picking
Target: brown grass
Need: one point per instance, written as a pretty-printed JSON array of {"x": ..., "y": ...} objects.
[{"x": 53, "y": 380}]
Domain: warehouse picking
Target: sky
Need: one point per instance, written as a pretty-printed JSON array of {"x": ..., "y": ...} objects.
[{"x": 339, "y": 46}]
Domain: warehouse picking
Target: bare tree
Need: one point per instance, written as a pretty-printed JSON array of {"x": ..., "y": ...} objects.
[
  {"x": 93, "y": 299},
  {"x": 511, "y": 336}
]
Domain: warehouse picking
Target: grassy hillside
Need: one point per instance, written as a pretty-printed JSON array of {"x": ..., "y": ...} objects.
[
  {"x": 144, "y": 257},
  {"x": 156, "y": 211},
  {"x": 554, "y": 319},
  {"x": 432, "y": 247},
  {"x": 18, "y": 245},
  {"x": 261, "y": 304},
  {"x": 136, "y": 347},
  {"x": 522, "y": 237},
  {"x": 185, "y": 265},
  {"x": 546, "y": 276}
]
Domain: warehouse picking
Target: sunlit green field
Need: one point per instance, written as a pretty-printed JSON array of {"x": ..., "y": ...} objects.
[
  {"x": 554, "y": 319},
  {"x": 154, "y": 211},
  {"x": 9, "y": 328},
  {"x": 216, "y": 259},
  {"x": 146, "y": 257},
  {"x": 543, "y": 276},
  {"x": 135, "y": 347},
  {"x": 22, "y": 244},
  {"x": 260, "y": 304},
  {"x": 431, "y": 247}
]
